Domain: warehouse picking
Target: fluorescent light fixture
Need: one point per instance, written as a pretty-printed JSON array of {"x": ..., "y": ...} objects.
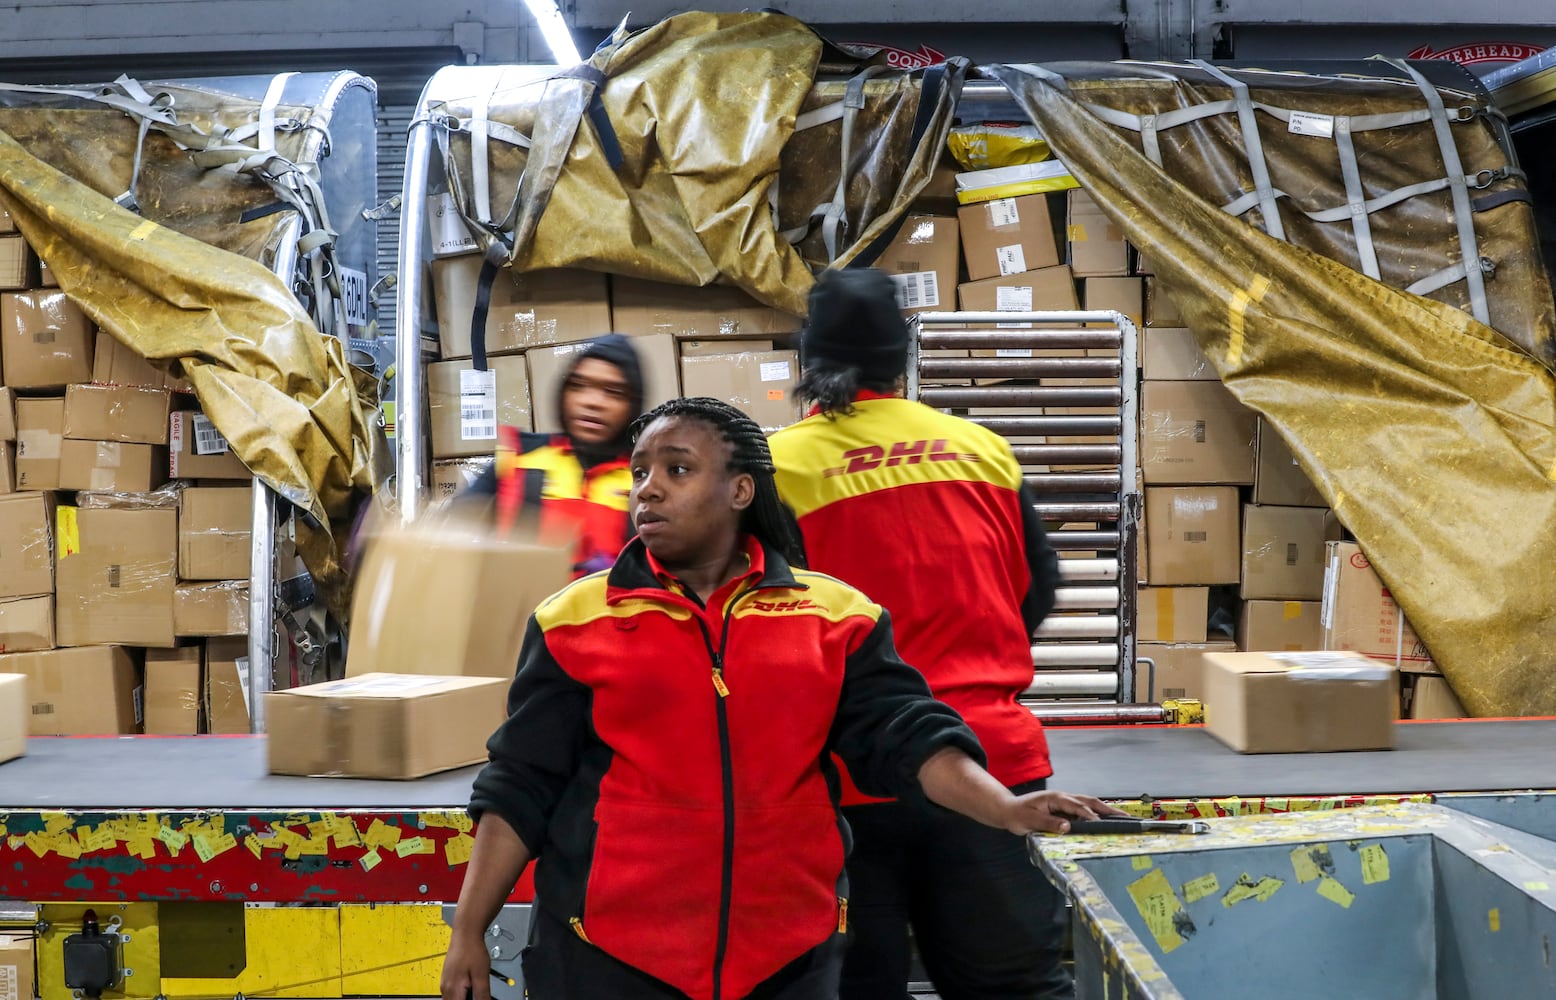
[{"x": 554, "y": 30}]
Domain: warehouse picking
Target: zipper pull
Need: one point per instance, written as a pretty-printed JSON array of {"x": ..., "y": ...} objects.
[
  {"x": 842, "y": 915},
  {"x": 718, "y": 682},
  {"x": 577, "y": 923}
]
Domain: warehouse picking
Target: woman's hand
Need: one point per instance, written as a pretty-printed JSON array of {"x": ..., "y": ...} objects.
[
  {"x": 467, "y": 970},
  {"x": 1051, "y": 812}
]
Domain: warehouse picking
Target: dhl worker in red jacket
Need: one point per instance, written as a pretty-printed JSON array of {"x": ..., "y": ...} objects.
[
  {"x": 573, "y": 486},
  {"x": 928, "y": 515},
  {"x": 667, "y": 752}
]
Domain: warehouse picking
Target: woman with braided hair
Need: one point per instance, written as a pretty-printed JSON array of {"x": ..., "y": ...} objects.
[{"x": 667, "y": 756}]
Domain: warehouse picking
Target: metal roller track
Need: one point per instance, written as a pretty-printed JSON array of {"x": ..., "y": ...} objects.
[
  {"x": 1019, "y": 340},
  {"x": 948, "y": 397},
  {"x": 1066, "y": 454},
  {"x": 1019, "y": 368},
  {"x": 1073, "y": 684},
  {"x": 1073, "y": 482},
  {"x": 1095, "y": 425},
  {"x": 1049, "y": 656},
  {"x": 1077, "y": 510},
  {"x": 1083, "y": 541},
  {"x": 1095, "y": 713},
  {"x": 1085, "y": 598},
  {"x": 1078, "y": 570},
  {"x": 1078, "y": 627}
]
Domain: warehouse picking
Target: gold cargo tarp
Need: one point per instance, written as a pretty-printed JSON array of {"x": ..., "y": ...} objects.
[
  {"x": 1432, "y": 435},
  {"x": 704, "y": 108}
]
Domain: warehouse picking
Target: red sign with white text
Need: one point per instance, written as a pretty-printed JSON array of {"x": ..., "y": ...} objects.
[{"x": 1479, "y": 52}]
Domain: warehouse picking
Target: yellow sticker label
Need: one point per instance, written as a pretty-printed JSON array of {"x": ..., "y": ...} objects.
[
  {"x": 1201, "y": 888},
  {"x": 66, "y": 845},
  {"x": 316, "y": 846},
  {"x": 1374, "y": 864},
  {"x": 1291, "y": 609},
  {"x": 345, "y": 832},
  {"x": 381, "y": 834},
  {"x": 458, "y": 849},
  {"x": 1335, "y": 892},
  {"x": 414, "y": 845},
  {"x": 1537, "y": 886},
  {"x": 1159, "y": 907},
  {"x": 255, "y": 847},
  {"x": 54, "y": 822},
  {"x": 1494, "y": 919},
  {"x": 1276, "y": 805},
  {"x": 1309, "y": 863},
  {"x": 142, "y": 847},
  {"x": 319, "y": 828},
  {"x": 1205, "y": 808},
  {"x": 143, "y": 231},
  {"x": 1247, "y": 888},
  {"x": 174, "y": 839},
  {"x": 1141, "y": 862},
  {"x": 371, "y": 860},
  {"x": 1076, "y": 233}
]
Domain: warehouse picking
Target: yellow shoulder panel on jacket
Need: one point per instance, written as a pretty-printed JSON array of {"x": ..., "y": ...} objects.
[{"x": 583, "y": 601}]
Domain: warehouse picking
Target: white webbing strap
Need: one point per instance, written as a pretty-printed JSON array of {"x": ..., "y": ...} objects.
[
  {"x": 1253, "y": 146},
  {"x": 267, "y": 111},
  {"x": 1356, "y": 199}
]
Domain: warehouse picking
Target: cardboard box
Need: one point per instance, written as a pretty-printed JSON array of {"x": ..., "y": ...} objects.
[
  {"x": 761, "y": 385},
  {"x": 1195, "y": 432},
  {"x": 467, "y": 406},
  {"x": 1124, "y": 295},
  {"x": 1278, "y": 479},
  {"x": 14, "y": 709},
  {"x": 226, "y": 686},
  {"x": 383, "y": 725},
  {"x": 1280, "y": 625},
  {"x": 115, "y": 364},
  {"x": 215, "y": 533},
  {"x": 1172, "y": 614},
  {"x": 448, "y": 599},
  {"x": 215, "y": 609},
  {"x": 46, "y": 276},
  {"x": 1283, "y": 552},
  {"x": 7, "y": 414},
  {"x": 18, "y": 266},
  {"x": 1300, "y": 702},
  {"x": 1432, "y": 698},
  {"x": 925, "y": 261},
  {"x": 40, "y": 433},
  {"x": 80, "y": 692},
  {"x": 45, "y": 340},
  {"x": 528, "y": 309},
  {"x": 172, "y": 691},
  {"x": 547, "y": 365},
  {"x": 1007, "y": 236},
  {"x": 640, "y": 308},
  {"x": 128, "y": 414},
  {"x": 453, "y": 476},
  {"x": 16, "y": 962},
  {"x": 1051, "y": 288},
  {"x": 1160, "y": 310},
  {"x": 26, "y": 545},
  {"x": 197, "y": 450},
  {"x": 1097, "y": 246},
  {"x": 1171, "y": 354},
  {"x": 703, "y": 348},
  {"x": 7, "y": 467},
  {"x": 119, "y": 587},
  {"x": 26, "y": 625},
  {"x": 112, "y": 467},
  {"x": 1360, "y": 615},
  {"x": 1179, "y": 669},
  {"x": 1193, "y": 536}
]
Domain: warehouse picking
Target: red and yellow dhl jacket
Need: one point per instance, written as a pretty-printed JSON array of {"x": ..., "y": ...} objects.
[
  {"x": 669, "y": 763},
  {"x": 538, "y": 475},
  {"x": 928, "y": 515}
]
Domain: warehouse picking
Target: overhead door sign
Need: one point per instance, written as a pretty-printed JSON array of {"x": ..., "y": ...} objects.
[{"x": 1479, "y": 52}]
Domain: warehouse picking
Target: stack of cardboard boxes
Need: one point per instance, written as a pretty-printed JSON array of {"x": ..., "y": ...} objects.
[{"x": 123, "y": 561}]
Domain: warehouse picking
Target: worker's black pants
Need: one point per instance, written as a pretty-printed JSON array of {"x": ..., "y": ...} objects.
[
  {"x": 988, "y": 925},
  {"x": 558, "y": 965}
]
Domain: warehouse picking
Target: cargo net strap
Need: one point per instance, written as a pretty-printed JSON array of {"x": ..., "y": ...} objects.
[{"x": 1357, "y": 207}]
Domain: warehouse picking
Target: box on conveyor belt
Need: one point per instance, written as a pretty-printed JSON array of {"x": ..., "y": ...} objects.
[
  {"x": 640, "y": 308},
  {"x": 26, "y": 545},
  {"x": 1359, "y": 613},
  {"x": 1308, "y": 702},
  {"x": 451, "y": 477},
  {"x": 226, "y": 686},
  {"x": 1284, "y": 555},
  {"x": 762, "y": 386},
  {"x": 197, "y": 450},
  {"x": 111, "y": 467},
  {"x": 16, "y": 965},
  {"x": 1179, "y": 669},
  {"x": 1280, "y": 625},
  {"x": 115, "y": 364},
  {"x": 925, "y": 262},
  {"x": 40, "y": 433},
  {"x": 1097, "y": 246},
  {"x": 26, "y": 625},
  {"x": 1172, "y": 614},
  {"x": 547, "y": 365},
  {"x": 118, "y": 586},
  {"x": 94, "y": 691},
  {"x": 1171, "y": 354},
  {"x": 1195, "y": 432},
  {"x": 1160, "y": 309},
  {"x": 7, "y": 414},
  {"x": 14, "y": 709},
  {"x": 126, "y": 413},
  {"x": 172, "y": 691},
  {"x": 1007, "y": 236},
  {"x": 448, "y": 598},
  {"x": 466, "y": 406},
  {"x": 528, "y": 308},
  {"x": 702, "y": 348},
  {"x": 383, "y": 725},
  {"x": 1193, "y": 535},
  {"x": 18, "y": 265},
  {"x": 211, "y": 608},
  {"x": 1432, "y": 698},
  {"x": 45, "y": 340},
  {"x": 1279, "y": 479},
  {"x": 215, "y": 533}
]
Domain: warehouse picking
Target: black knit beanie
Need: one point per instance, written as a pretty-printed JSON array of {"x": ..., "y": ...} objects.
[{"x": 855, "y": 322}]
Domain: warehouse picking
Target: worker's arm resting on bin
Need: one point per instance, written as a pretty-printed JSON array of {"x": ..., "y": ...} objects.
[
  {"x": 1042, "y": 561},
  {"x": 897, "y": 740}
]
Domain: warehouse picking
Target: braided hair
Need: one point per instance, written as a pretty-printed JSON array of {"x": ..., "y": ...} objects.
[
  {"x": 768, "y": 518},
  {"x": 833, "y": 387}
]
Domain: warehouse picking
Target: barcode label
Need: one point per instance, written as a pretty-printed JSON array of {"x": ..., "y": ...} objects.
[
  {"x": 139, "y": 698},
  {"x": 1013, "y": 352},
  {"x": 775, "y": 371},
  {"x": 1194, "y": 536},
  {"x": 1199, "y": 432},
  {"x": 1012, "y": 259},
  {"x": 1018, "y": 299},
  {"x": 208, "y": 440},
  {"x": 1003, "y": 212},
  {"x": 1291, "y": 553},
  {"x": 478, "y": 405},
  {"x": 917, "y": 290},
  {"x": 353, "y": 296},
  {"x": 243, "y": 682}
]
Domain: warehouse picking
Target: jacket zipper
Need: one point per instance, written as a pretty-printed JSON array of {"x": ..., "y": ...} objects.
[{"x": 727, "y": 765}]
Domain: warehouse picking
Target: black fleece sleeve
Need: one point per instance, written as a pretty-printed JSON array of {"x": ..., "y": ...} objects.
[
  {"x": 1042, "y": 560},
  {"x": 534, "y": 754},
  {"x": 887, "y": 722}
]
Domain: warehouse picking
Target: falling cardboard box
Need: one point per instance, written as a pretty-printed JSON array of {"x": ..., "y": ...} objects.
[
  {"x": 383, "y": 725},
  {"x": 1283, "y": 552}
]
